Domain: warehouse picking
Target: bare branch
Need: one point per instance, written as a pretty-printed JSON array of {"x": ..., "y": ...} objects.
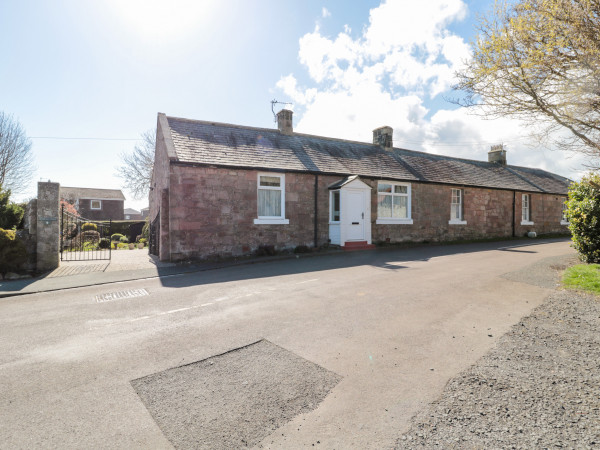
[
  {"x": 16, "y": 159},
  {"x": 136, "y": 168}
]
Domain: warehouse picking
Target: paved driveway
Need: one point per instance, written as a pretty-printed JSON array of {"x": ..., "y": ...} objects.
[{"x": 394, "y": 326}]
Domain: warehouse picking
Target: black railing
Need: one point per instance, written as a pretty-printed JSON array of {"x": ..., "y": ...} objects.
[{"x": 82, "y": 239}]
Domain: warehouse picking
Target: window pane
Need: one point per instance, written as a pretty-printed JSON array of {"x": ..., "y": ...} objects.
[
  {"x": 269, "y": 203},
  {"x": 384, "y": 206},
  {"x": 384, "y": 187},
  {"x": 335, "y": 206},
  {"x": 400, "y": 210},
  {"x": 400, "y": 189},
  {"x": 270, "y": 181},
  {"x": 455, "y": 213}
]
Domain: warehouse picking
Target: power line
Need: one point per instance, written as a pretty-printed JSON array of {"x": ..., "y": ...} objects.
[{"x": 84, "y": 138}]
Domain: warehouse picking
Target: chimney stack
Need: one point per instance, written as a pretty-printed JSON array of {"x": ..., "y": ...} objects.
[
  {"x": 383, "y": 136},
  {"x": 284, "y": 122},
  {"x": 497, "y": 154}
]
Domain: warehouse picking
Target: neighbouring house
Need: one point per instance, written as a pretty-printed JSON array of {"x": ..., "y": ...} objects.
[
  {"x": 95, "y": 204},
  {"x": 145, "y": 212},
  {"x": 132, "y": 214},
  {"x": 225, "y": 190}
]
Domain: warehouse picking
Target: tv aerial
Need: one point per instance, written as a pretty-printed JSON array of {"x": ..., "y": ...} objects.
[{"x": 273, "y": 103}]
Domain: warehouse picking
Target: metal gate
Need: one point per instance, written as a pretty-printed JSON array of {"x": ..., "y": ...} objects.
[{"x": 82, "y": 239}]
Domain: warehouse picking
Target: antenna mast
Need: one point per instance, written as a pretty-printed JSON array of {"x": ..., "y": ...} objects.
[{"x": 273, "y": 103}]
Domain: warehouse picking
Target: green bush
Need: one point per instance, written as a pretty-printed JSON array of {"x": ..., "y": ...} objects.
[
  {"x": 12, "y": 252},
  {"x": 11, "y": 214},
  {"x": 104, "y": 243},
  {"x": 583, "y": 214},
  {"x": 116, "y": 237},
  {"x": 124, "y": 239},
  {"x": 146, "y": 230},
  {"x": 143, "y": 241},
  {"x": 89, "y": 227},
  {"x": 122, "y": 245}
]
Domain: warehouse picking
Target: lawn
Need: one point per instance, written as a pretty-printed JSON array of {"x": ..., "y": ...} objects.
[{"x": 583, "y": 276}]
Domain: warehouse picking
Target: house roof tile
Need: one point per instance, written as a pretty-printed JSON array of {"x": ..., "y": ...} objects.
[
  {"x": 74, "y": 193},
  {"x": 221, "y": 144}
]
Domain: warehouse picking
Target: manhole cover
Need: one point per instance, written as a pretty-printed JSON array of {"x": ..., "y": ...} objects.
[
  {"x": 130, "y": 293},
  {"x": 235, "y": 399}
]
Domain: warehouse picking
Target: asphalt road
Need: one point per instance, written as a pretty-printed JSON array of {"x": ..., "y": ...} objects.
[{"x": 394, "y": 325}]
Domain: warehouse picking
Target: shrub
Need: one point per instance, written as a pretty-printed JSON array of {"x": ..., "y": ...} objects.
[
  {"x": 91, "y": 236},
  {"x": 583, "y": 214},
  {"x": 121, "y": 245},
  {"x": 104, "y": 243},
  {"x": 146, "y": 230},
  {"x": 116, "y": 237},
  {"x": 12, "y": 252},
  {"x": 124, "y": 240},
  {"x": 89, "y": 227},
  {"x": 11, "y": 213},
  {"x": 143, "y": 241}
]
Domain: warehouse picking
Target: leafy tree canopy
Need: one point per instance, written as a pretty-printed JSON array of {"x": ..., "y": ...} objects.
[{"x": 539, "y": 60}]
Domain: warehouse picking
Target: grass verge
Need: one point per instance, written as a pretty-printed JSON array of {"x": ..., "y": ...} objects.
[{"x": 585, "y": 277}]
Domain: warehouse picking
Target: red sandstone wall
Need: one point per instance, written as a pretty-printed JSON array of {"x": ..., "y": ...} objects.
[{"x": 212, "y": 212}]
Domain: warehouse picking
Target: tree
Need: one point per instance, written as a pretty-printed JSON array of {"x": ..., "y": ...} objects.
[
  {"x": 583, "y": 213},
  {"x": 136, "y": 170},
  {"x": 539, "y": 60},
  {"x": 16, "y": 159},
  {"x": 11, "y": 214}
]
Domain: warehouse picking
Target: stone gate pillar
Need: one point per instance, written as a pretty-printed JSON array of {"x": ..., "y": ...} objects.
[{"x": 48, "y": 223}]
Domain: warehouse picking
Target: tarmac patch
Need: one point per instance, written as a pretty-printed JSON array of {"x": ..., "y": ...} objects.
[
  {"x": 235, "y": 399},
  {"x": 121, "y": 295}
]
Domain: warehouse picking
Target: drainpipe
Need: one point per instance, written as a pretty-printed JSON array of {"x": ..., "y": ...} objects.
[
  {"x": 316, "y": 243},
  {"x": 513, "y": 213}
]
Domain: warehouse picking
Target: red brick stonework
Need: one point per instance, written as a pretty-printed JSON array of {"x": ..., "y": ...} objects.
[{"x": 211, "y": 213}]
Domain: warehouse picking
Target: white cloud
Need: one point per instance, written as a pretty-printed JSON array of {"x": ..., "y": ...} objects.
[
  {"x": 325, "y": 13},
  {"x": 405, "y": 57}
]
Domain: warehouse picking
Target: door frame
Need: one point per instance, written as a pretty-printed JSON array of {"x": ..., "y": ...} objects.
[{"x": 346, "y": 186}]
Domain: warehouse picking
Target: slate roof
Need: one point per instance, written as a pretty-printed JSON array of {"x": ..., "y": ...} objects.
[
  {"x": 219, "y": 144},
  {"x": 90, "y": 193}
]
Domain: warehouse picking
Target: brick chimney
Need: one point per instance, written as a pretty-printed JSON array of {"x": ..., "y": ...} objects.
[
  {"x": 497, "y": 154},
  {"x": 383, "y": 136},
  {"x": 284, "y": 122}
]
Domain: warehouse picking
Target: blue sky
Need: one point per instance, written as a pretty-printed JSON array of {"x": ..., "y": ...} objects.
[{"x": 102, "y": 70}]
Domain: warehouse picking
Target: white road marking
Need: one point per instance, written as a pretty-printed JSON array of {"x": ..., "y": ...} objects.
[
  {"x": 220, "y": 299},
  {"x": 206, "y": 304}
]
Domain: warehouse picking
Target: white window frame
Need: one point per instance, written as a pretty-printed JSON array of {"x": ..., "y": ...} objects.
[
  {"x": 526, "y": 209},
  {"x": 563, "y": 215},
  {"x": 394, "y": 220},
  {"x": 331, "y": 194},
  {"x": 461, "y": 204},
  {"x": 92, "y": 205},
  {"x": 271, "y": 220}
]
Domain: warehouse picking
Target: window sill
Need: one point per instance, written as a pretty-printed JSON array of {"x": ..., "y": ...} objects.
[
  {"x": 563, "y": 222},
  {"x": 334, "y": 223},
  {"x": 457, "y": 222},
  {"x": 526, "y": 222},
  {"x": 394, "y": 222},
  {"x": 271, "y": 221}
]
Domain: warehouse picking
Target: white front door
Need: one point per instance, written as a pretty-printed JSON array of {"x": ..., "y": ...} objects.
[{"x": 355, "y": 226}]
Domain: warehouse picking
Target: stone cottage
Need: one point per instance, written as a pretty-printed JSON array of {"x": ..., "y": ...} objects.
[{"x": 221, "y": 189}]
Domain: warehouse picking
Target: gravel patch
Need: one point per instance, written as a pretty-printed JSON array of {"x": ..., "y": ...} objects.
[
  {"x": 543, "y": 273},
  {"x": 235, "y": 399},
  {"x": 539, "y": 388}
]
